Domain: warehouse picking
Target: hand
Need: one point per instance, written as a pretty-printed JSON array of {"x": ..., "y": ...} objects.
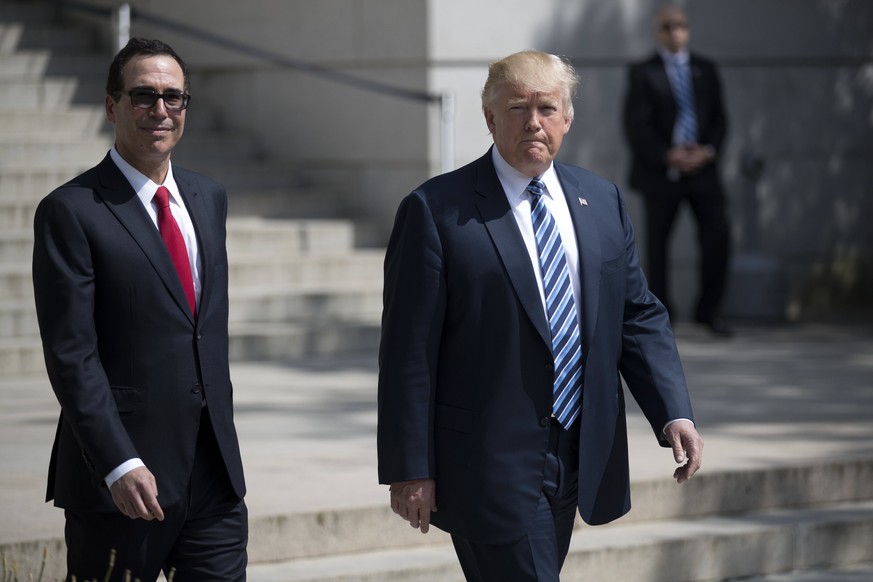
[
  {"x": 689, "y": 159},
  {"x": 414, "y": 501},
  {"x": 136, "y": 495},
  {"x": 687, "y": 446}
]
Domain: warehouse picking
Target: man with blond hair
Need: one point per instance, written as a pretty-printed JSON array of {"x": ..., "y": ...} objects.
[{"x": 513, "y": 300}]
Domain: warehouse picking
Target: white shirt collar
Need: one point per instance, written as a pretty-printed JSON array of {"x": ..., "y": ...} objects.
[
  {"x": 680, "y": 58},
  {"x": 143, "y": 186},
  {"x": 515, "y": 183}
]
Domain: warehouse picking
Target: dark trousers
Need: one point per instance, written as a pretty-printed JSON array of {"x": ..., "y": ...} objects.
[
  {"x": 708, "y": 205},
  {"x": 540, "y": 554},
  {"x": 203, "y": 537}
]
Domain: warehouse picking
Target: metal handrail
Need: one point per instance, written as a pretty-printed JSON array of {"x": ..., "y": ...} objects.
[{"x": 122, "y": 17}]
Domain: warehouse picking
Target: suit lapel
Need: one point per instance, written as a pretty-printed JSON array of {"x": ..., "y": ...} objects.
[
  {"x": 588, "y": 244},
  {"x": 499, "y": 221},
  {"x": 121, "y": 200}
]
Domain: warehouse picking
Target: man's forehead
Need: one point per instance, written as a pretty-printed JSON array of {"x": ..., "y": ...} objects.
[{"x": 516, "y": 93}]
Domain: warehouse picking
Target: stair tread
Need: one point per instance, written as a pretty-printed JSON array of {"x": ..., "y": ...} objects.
[{"x": 616, "y": 537}]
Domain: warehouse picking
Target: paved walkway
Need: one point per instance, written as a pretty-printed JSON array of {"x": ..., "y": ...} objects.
[{"x": 768, "y": 396}]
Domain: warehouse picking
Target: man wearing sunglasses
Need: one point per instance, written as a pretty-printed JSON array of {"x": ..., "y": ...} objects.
[
  {"x": 675, "y": 125},
  {"x": 130, "y": 280}
]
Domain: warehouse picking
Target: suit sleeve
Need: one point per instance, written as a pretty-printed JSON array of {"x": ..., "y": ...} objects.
[
  {"x": 640, "y": 127},
  {"x": 64, "y": 290},
  {"x": 414, "y": 304},
  {"x": 650, "y": 362}
]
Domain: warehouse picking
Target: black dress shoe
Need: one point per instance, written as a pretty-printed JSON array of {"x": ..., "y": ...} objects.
[{"x": 717, "y": 327}]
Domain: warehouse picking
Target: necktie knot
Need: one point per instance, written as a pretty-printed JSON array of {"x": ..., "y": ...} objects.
[
  {"x": 536, "y": 188},
  {"x": 162, "y": 197}
]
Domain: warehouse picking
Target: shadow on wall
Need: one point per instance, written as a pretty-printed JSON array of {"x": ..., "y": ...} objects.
[{"x": 798, "y": 83}]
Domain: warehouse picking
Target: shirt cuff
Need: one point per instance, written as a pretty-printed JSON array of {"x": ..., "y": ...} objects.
[
  {"x": 124, "y": 468},
  {"x": 664, "y": 430}
]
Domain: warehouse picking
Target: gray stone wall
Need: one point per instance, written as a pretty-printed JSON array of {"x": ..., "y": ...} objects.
[{"x": 798, "y": 77}]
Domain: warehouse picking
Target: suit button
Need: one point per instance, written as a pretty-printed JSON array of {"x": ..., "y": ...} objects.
[
  {"x": 545, "y": 421},
  {"x": 195, "y": 389},
  {"x": 199, "y": 336}
]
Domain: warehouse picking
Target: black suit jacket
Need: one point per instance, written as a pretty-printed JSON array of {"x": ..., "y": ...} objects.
[
  {"x": 465, "y": 375},
  {"x": 650, "y": 114},
  {"x": 125, "y": 358}
]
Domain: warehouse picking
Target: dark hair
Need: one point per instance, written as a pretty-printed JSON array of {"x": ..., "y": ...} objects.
[{"x": 138, "y": 47}]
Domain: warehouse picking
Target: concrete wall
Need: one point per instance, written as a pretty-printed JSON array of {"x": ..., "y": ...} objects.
[{"x": 798, "y": 77}]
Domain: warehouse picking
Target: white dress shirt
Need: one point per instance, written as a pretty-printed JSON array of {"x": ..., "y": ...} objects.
[{"x": 145, "y": 191}]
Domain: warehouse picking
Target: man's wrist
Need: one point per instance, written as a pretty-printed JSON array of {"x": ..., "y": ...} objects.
[{"x": 121, "y": 470}]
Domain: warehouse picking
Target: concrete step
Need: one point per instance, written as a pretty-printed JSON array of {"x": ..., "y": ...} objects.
[
  {"x": 315, "y": 306},
  {"x": 26, "y": 12},
  {"x": 287, "y": 202},
  {"x": 23, "y": 65},
  {"x": 718, "y": 526},
  {"x": 249, "y": 270},
  {"x": 283, "y": 341},
  {"x": 17, "y": 318},
  {"x": 50, "y": 93},
  {"x": 10, "y": 35},
  {"x": 24, "y": 150},
  {"x": 59, "y": 36},
  {"x": 243, "y": 175},
  {"x": 78, "y": 121},
  {"x": 33, "y": 65},
  {"x": 319, "y": 305},
  {"x": 703, "y": 549},
  {"x": 15, "y": 280},
  {"x": 38, "y": 148},
  {"x": 252, "y": 269},
  {"x": 16, "y": 244},
  {"x": 32, "y": 182},
  {"x": 254, "y": 235},
  {"x": 21, "y": 356},
  {"x": 847, "y": 573}
]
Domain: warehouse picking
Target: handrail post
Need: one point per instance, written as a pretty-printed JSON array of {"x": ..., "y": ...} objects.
[
  {"x": 121, "y": 26},
  {"x": 447, "y": 133}
]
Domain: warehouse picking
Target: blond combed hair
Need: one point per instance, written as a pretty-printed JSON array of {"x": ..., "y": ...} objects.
[{"x": 533, "y": 71}]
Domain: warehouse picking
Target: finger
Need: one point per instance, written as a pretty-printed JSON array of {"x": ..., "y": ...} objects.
[
  {"x": 424, "y": 519},
  {"x": 154, "y": 508}
]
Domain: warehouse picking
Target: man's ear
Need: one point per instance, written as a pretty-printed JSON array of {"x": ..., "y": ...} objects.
[
  {"x": 489, "y": 119},
  {"x": 110, "y": 109}
]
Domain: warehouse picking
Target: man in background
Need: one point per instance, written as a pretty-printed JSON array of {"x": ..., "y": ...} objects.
[
  {"x": 130, "y": 279},
  {"x": 675, "y": 124}
]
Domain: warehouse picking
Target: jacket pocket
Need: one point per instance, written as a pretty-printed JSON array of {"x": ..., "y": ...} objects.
[{"x": 127, "y": 399}]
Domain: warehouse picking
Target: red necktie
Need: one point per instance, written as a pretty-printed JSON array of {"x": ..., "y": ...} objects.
[{"x": 175, "y": 244}]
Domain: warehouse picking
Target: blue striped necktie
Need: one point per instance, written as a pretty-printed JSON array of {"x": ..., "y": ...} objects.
[
  {"x": 560, "y": 308},
  {"x": 686, "y": 117}
]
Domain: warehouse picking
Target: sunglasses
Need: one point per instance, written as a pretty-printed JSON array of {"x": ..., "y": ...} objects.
[
  {"x": 670, "y": 26},
  {"x": 147, "y": 98}
]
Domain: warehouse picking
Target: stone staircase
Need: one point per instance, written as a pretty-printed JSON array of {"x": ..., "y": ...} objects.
[
  {"x": 298, "y": 286},
  {"x": 807, "y": 522}
]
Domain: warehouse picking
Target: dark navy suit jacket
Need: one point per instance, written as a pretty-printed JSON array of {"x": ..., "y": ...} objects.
[
  {"x": 465, "y": 360},
  {"x": 124, "y": 355},
  {"x": 650, "y": 114}
]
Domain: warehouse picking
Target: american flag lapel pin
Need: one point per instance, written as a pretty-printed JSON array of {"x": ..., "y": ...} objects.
[{"x": 583, "y": 201}]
